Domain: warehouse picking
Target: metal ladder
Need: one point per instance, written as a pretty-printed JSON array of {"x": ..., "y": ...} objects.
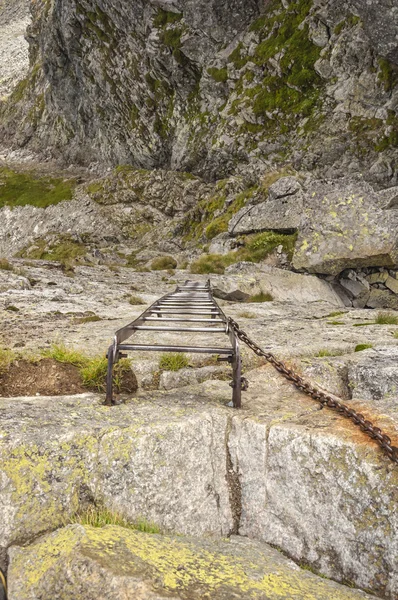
[{"x": 191, "y": 303}]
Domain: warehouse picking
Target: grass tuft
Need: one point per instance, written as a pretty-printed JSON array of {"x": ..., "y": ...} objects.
[
  {"x": 246, "y": 314},
  {"x": 92, "y": 369},
  {"x": 261, "y": 297},
  {"x": 89, "y": 319},
  {"x": 170, "y": 361},
  {"x": 325, "y": 352},
  {"x": 95, "y": 516},
  {"x": 163, "y": 263},
  {"x": 361, "y": 347},
  {"x": 6, "y": 358},
  {"x": 5, "y": 265},
  {"x": 386, "y": 318},
  {"x": 135, "y": 300}
]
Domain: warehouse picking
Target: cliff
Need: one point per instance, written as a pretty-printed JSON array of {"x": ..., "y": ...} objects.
[{"x": 212, "y": 88}]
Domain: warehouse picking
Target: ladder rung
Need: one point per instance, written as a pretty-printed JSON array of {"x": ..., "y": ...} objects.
[
  {"x": 171, "y": 319},
  {"x": 184, "y": 311},
  {"x": 164, "y": 348},
  {"x": 193, "y": 329}
]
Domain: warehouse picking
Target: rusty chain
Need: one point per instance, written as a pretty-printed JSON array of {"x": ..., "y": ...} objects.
[{"x": 325, "y": 399}]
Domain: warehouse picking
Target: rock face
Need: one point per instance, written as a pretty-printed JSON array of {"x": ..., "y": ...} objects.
[
  {"x": 14, "y": 60},
  {"x": 342, "y": 227},
  {"x": 118, "y": 562},
  {"x": 282, "y": 210},
  {"x": 141, "y": 460},
  {"x": 213, "y": 88}
]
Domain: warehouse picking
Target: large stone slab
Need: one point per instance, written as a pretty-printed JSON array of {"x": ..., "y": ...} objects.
[
  {"x": 343, "y": 227},
  {"x": 284, "y": 286},
  {"x": 282, "y": 210},
  {"x": 58, "y": 453},
  {"x": 114, "y": 563}
]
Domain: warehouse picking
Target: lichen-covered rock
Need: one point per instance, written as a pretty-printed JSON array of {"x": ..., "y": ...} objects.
[
  {"x": 114, "y": 563},
  {"x": 343, "y": 227},
  {"x": 282, "y": 211},
  {"x": 192, "y": 466}
]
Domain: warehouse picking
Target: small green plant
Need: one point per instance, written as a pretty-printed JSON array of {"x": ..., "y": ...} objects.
[
  {"x": 325, "y": 352},
  {"x": 335, "y": 322},
  {"x": 336, "y": 313},
  {"x": 6, "y": 358},
  {"x": 247, "y": 315},
  {"x": 12, "y": 308},
  {"x": 170, "y": 361},
  {"x": 5, "y": 265},
  {"x": 261, "y": 297},
  {"x": 395, "y": 335},
  {"x": 88, "y": 319},
  {"x": 134, "y": 300},
  {"x": 62, "y": 354},
  {"x": 97, "y": 516},
  {"x": 163, "y": 263},
  {"x": 361, "y": 347},
  {"x": 212, "y": 263},
  {"x": 92, "y": 369},
  {"x": 386, "y": 318},
  {"x": 259, "y": 246}
]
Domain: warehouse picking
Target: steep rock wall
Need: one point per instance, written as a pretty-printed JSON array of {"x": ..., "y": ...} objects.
[{"x": 213, "y": 88}]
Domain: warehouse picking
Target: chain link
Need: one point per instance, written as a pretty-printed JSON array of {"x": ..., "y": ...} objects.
[{"x": 325, "y": 399}]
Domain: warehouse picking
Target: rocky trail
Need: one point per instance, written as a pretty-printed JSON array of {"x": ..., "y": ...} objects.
[
  {"x": 280, "y": 471},
  {"x": 147, "y": 143}
]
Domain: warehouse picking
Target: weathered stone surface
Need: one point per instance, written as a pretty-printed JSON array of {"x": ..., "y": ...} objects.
[
  {"x": 113, "y": 562},
  {"x": 282, "y": 210},
  {"x": 392, "y": 284},
  {"x": 49, "y": 468},
  {"x": 374, "y": 376},
  {"x": 142, "y": 460},
  {"x": 14, "y": 61},
  {"x": 342, "y": 228},
  {"x": 221, "y": 244},
  {"x": 382, "y": 299},
  {"x": 12, "y": 281},
  {"x": 285, "y": 186},
  {"x": 175, "y": 379},
  {"x": 380, "y": 277},
  {"x": 283, "y": 285},
  {"x": 20, "y": 226}
]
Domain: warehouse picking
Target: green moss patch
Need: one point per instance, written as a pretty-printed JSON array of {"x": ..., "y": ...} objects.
[
  {"x": 219, "y": 75},
  {"x": 63, "y": 250},
  {"x": 254, "y": 248},
  {"x": 21, "y": 189},
  {"x": 361, "y": 347},
  {"x": 293, "y": 91}
]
